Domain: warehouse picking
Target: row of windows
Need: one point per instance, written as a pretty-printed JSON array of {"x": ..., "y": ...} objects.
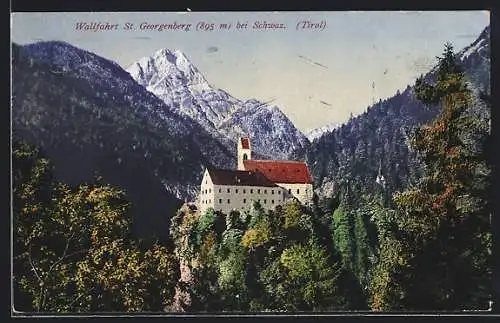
[
  {"x": 229, "y": 201},
  {"x": 244, "y": 201},
  {"x": 251, "y": 191},
  {"x": 208, "y": 191}
]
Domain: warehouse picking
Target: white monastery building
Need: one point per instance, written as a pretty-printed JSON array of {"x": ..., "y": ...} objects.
[{"x": 269, "y": 182}]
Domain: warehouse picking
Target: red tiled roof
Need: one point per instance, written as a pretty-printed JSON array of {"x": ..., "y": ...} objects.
[
  {"x": 245, "y": 143},
  {"x": 281, "y": 171}
]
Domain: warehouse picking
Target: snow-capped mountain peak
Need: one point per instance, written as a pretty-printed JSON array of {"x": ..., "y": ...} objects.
[
  {"x": 167, "y": 69},
  {"x": 172, "y": 77}
]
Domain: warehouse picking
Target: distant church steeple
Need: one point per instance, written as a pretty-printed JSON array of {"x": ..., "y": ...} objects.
[
  {"x": 244, "y": 152},
  {"x": 380, "y": 178}
]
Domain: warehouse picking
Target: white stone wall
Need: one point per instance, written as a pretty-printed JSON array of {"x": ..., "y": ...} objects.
[
  {"x": 303, "y": 192},
  {"x": 206, "y": 196},
  {"x": 241, "y": 197},
  {"x": 226, "y": 198}
]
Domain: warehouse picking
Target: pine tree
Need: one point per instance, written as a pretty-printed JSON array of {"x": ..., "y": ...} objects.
[{"x": 443, "y": 224}]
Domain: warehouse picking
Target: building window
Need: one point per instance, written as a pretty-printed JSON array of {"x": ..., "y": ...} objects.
[
  {"x": 289, "y": 191},
  {"x": 272, "y": 201},
  {"x": 209, "y": 201},
  {"x": 236, "y": 190},
  {"x": 229, "y": 190},
  {"x": 245, "y": 156},
  {"x": 209, "y": 190},
  {"x": 206, "y": 182},
  {"x": 244, "y": 191},
  {"x": 265, "y": 191},
  {"x": 259, "y": 200},
  {"x": 228, "y": 201},
  {"x": 251, "y": 191},
  {"x": 220, "y": 201},
  {"x": 279, "y": 192},
  {"x": 272, "y": 191},
  {"x": 258, "y": 191},
  {"x": 244, "y": 200},
  {"x": 265, "y": 201},
  {"x": 220, "y": 190},
  {"x": 298, "y": 191}
]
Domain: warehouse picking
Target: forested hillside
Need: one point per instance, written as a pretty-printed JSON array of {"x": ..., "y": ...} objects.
[
  {"x": 94, "y": 121},
  {"x": 377, "y": 141},
  {"x": 426, "y": 247},
  {"x": 73, "y": 249}
]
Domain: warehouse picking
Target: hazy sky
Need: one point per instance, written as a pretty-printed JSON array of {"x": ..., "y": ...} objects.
[{"x": 359, "y": 56}]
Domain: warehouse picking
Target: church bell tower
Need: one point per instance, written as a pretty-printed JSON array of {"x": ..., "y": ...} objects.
[{"x": 244, "y": 152}]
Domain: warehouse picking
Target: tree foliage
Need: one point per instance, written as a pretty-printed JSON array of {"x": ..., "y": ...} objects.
[
  {"x": 302, "y": 278},
  {"x": 442, "y": 235},
  {"x": 72, "y": 246},
  {"x": 264, "y": 261}
]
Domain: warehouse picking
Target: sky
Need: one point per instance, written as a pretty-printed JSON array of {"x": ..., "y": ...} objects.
[{"x": 315, "y": 76}]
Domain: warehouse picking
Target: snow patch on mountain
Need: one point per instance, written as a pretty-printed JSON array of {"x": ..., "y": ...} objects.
[
  {"x": 473, "y": 49},
  {"x": 478, "y": 47},
  {"x": 318, "y": 132},
  {"x": 172, "y": 77}
]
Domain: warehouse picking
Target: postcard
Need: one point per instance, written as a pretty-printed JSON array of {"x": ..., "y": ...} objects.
[{"x": 250, "y": 163}]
